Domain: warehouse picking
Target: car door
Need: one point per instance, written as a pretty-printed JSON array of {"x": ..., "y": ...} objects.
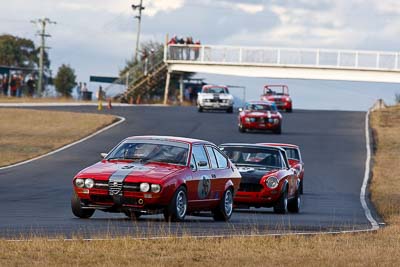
[
  {"x": 200, "y": 185},
  {"x": 220, "y": 171}
]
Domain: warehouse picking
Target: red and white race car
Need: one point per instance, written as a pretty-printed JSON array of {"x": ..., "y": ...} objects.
[
  {"x": 295, "y": 160},
  {"x": 278, "y": 94},
  {"x": 158, "y": 174},
  {"x": 267, "y": 178},
  {"x": 260, "y": 115}
]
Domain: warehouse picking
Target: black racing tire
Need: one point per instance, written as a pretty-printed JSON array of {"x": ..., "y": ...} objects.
[
  {"x": 281, "y": 206},
  {"x": 301, "y": 187},
  {"x": 177, "y": 208},
  {"x": 224, "y": 210},
  {"x": 229, "y": 110},
  {"x": 242, "y": 129},
  {"x": 294, "y": 204},
  {"x": 199, "y": 108},
  {"x": 289, "y": 110},
  {"x": 133, "y": 215},
  {"x": 278, "y": 130},
  {"x": 77, "y": 209}
]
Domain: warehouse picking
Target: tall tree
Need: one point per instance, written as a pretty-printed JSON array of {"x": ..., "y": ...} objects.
[
  {"x": 19, "y": 52},
  {"x": 65, "y": 80}
]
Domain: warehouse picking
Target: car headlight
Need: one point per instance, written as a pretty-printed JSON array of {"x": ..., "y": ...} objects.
[
  {"x": 272, "y": 182},
  {"x": 89, "y": 183},
  {"x": 155, "y": 188},
  {"x": 80, "y": 182},
  {"x": 144, "y": 187},
  {"x": 247, "y": 119}
]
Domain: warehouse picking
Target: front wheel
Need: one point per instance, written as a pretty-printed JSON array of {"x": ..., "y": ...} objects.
[
  {"x": 225, "y": 207},
  {"x": 199, "y": 108},
  {"x": 229, "y": 110},
  {"x": 278, "y": 130},
  {"x": 77, "y": 209},
  {"x": 176, "y": 210},
  {"x": 295, "y": 203},
  {"x": 242, "y": 129},
  {"x": 301, "y": 187},
  {"x": 281, "y": 206}
]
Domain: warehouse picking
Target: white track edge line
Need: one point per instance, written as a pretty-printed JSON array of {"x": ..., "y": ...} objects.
[
  {"x": 368, "y": 214},
  {"x": 363, "y": 195},
  {"x": 121, "y": 120}
]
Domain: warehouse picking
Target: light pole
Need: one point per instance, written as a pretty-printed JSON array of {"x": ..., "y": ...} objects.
[
  {"x": 42, "y": 22},
  {"x": 139, "y": 7}
]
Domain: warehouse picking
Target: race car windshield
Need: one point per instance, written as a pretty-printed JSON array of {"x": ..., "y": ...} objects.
[
  {"x": 144, "y": 152},
  {"x": 261, "y": 107},
  {"x": 254, "y": 156},
  {"x": 216, "y": 90}
]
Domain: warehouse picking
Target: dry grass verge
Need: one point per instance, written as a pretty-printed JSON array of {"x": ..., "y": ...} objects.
[
  {"x": 4, "y": 99},
  {"x": 380, "y": 248},
  {"x": 25, "y": 133}
]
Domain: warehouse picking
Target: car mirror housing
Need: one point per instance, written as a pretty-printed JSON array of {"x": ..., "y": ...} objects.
[
  {"x": 103, "y": 155},
  {"x": 202, "y": 163}
]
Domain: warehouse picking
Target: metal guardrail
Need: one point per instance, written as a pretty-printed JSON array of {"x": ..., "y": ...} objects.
[{"x": 289, "y": 57}]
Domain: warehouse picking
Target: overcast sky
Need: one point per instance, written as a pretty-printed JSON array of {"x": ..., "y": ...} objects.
[{"x": 96, "y": 36}]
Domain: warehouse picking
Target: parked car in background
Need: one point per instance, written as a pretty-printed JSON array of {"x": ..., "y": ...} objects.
[
  {"x": 278, "y": 94},
  {"x": 157, "y": 174},
  {"x": 260, "y": 115},
  {"x": 295, "y": 160},
  {"x": 267, "y": 178},
  {"x": 215, "y": 97}
]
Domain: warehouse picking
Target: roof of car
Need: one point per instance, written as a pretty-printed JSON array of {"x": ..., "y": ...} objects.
[
  {"x": 279, "y": 145},
  {"x": 213, "y": 85},
  {"x": 171, "y": 138},
  {"x": 252, "y": 145}
]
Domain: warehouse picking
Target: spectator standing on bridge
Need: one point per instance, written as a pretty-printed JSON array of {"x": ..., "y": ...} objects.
[
  {"x": 196, "y": 49},
  {"x": 172, "y": 50},
  {"x": 188, "y": 42},
  {"x": 180, "y": 49},
  {"x": 4, "y": 85}
]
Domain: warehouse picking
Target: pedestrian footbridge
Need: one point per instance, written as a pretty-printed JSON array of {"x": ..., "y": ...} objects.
[{"x": 287, "y": 63}]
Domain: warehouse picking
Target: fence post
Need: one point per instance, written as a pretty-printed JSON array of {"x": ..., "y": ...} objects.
[
  {"x": 240, "y": 55},
  {"x": 338, "y": 59},
  {"x": 278, "y": 61},
  {"x": 378, "y": 55},
  {"x": 166, "y": 90},
  {"x": 317, "y": 60},
  {"x": 356, "y": 60}
]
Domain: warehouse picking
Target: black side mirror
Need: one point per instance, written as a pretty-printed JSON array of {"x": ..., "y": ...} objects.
[{"x": 202, "y": 163}]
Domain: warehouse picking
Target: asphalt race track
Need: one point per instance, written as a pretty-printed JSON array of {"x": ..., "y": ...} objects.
[{"x": 35, "y": 197}]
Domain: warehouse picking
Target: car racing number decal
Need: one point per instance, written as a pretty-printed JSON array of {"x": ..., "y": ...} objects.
[{"x": 204, "y": 187}]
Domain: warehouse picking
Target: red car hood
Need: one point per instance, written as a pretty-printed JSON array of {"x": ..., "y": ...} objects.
[
  {"x": 261, "y": 114},
  {"x": 104, "y": 169}
]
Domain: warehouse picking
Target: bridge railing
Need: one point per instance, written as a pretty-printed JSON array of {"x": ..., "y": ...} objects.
[{"x": 291, "y": 57}]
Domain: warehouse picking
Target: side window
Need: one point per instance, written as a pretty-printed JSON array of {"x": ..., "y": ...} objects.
[
  {"x": 193, "y": 165},
  {"x": 221, "y": 159},
  {"x": 211, "y": 155},
  {"x": 201, "y": 157}
]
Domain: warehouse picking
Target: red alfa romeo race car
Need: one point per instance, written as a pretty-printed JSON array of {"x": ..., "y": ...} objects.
[
  {"x": 158, "y": 174},
  {"x": 260, "y": 115},
  {"x": 278, "y": 94},
  {"x": 294, "y": 158},
  {"x": 267, "y": 178}
]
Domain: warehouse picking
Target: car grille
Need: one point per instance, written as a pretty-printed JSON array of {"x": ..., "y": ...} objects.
[
  {"x": 247, "y": 187},
  {"x": 132, "y": 187},
  {"x": 114, "y": 187}
]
